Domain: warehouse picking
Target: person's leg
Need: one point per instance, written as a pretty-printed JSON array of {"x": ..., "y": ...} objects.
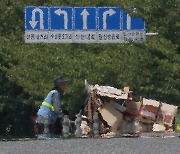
[
  {"x": 52, "y": 129},
  {"x": 46, "y": 127},
  {"x": 40, "y": 128},
  {"x": 58, "y": 127}
]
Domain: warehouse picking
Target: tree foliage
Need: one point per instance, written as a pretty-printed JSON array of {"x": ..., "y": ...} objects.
[{"x": 27, "y": 71}]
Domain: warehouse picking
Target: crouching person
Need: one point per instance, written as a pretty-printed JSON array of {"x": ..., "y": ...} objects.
[{"x": 50, "y": 113}]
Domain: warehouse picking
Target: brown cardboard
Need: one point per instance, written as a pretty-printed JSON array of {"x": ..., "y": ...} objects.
[
  {"x": 122, "y": 115},
  {"x": 166, "y": 114},
  {"x": 126, "y": 89},
  {"x": 159, "y": 128},
  {"x": 151, "y": 102},
  {"x": 145, "y": 114},
  {"x": 112, "y": 116},
  {"x": 133, "y": 107},
  {"x": 150, "y": 109}
]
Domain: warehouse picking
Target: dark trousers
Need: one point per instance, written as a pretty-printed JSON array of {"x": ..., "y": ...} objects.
[{"x": 55, "y": 128}]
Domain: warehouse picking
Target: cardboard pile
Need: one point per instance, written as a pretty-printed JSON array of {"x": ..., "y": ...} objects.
[
  {"x": 84, "y": 127},
  {"x": 119, "y": 113},
  {"x": 167, "y": 114},
  {"x": 149, "y": 109},
  {"x": 112, "y": 116}
]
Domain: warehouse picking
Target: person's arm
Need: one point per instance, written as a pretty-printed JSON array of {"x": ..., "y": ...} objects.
[{"x": 56, "y": 102}]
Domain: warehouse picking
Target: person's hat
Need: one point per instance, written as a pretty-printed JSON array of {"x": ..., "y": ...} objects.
[{"x": 59, "y": 80}]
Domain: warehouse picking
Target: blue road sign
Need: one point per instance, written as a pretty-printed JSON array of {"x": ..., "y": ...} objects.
[
  {"x": 132, "y": 23},
  {"x": 85, "y": 18},
  {"x": 62, "y": 24},
  {"x": 61, "y": 18},
  {"x": 109, "y": 18},
  {"x": 137, "y": 23},
  {"x": 36, "y": 18}
]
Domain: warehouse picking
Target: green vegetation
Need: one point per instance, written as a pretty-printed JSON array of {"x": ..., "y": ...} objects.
[{"x": 27, "y": 71}]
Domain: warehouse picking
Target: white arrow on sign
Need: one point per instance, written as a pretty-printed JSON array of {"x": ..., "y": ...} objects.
[
  {"x": 128, "y": 22},
  {"x": 110, "y": 12},
  {"x": 33, "y": 21},
  {"x": 59, "y": 12},
  {"x": 84, "y": 15}
]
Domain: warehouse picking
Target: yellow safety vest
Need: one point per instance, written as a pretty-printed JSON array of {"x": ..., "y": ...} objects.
[{"x": 47, "y": 100}]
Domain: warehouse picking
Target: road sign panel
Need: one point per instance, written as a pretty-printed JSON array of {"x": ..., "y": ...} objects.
[
  {"x": 36, "y": 18},
  {"x": 85, "y": 37},
  {"x": 81, "y": 25},
  {"x": 85, "y": 18},
  {"x": 36, "y": 36},
  {"x": 60, "y": 37},
  {"x": 61, "y": 18},
  {"x": 109, "y": 18},
  {"x": 110, "y": 37},
  {"x": 137, "y": 36},
  {"x": 132, "y": 23}
]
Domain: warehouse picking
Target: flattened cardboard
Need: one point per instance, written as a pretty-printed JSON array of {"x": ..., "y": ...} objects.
[{"x": 112, "y": 116}]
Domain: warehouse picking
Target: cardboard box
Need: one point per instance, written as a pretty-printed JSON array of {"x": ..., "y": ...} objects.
[
  {"x": 112, "y": 116},
  {"x": 166, "y": 114},
  {"x": 145, "y": 114},
  {"x": 151, "y": 102},
  {"x": 133, "y": 107},
  {"x": 150, "y": 109}
]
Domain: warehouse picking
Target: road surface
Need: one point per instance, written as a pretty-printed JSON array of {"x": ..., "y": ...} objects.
[{"x": 93, "y": 146}]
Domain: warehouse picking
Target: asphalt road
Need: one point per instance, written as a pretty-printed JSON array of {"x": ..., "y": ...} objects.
[{"x": 93, "y": 146}]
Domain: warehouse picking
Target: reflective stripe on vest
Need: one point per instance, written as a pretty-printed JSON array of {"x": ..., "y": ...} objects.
[
  {"x": 48, "y": 105},
  {"x": 47, "y": 101}
]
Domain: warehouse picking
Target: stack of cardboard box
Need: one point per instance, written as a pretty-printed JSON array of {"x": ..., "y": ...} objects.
[{"x": 120, "y": 113}]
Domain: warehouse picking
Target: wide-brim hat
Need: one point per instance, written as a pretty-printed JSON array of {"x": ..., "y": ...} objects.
[{"x": 59, "y": 81}]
